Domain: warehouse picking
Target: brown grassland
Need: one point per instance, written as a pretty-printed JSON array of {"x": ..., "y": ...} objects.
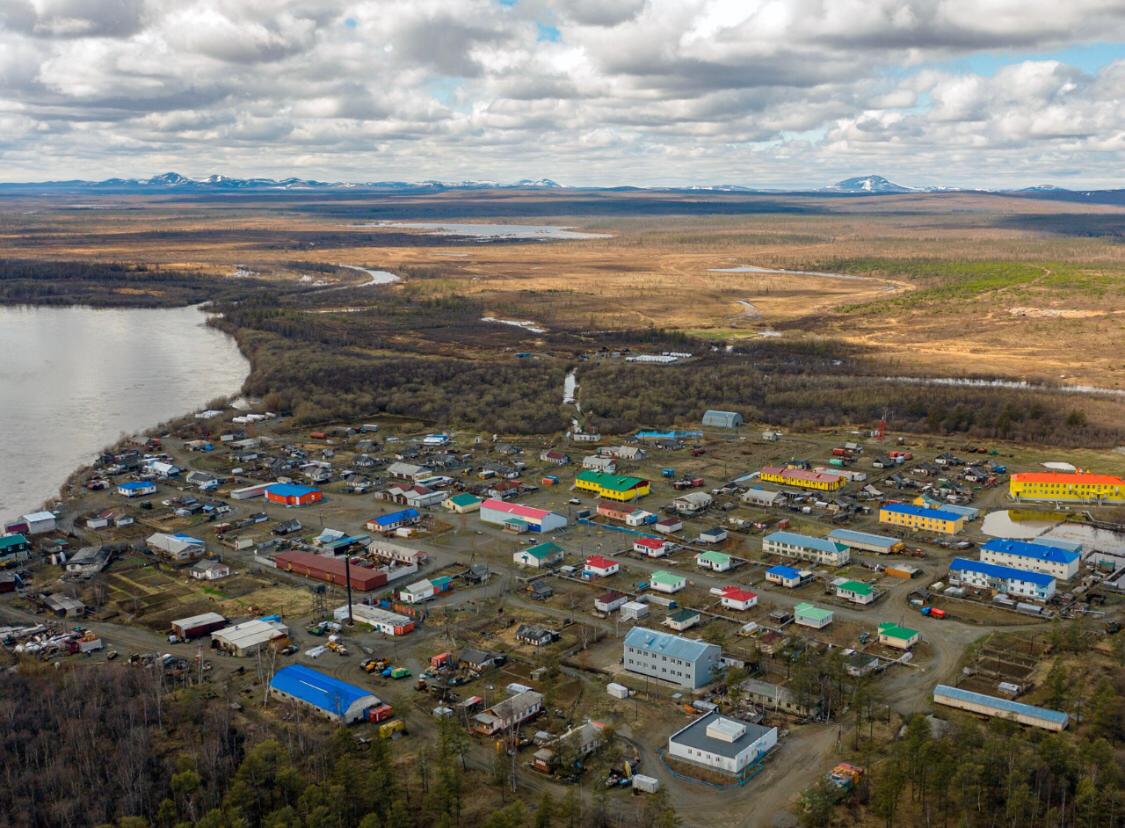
[{"x": 956, "y": 284}]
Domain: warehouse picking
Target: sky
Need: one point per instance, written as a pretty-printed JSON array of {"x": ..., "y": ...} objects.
[{"x": 765, "y": 93}]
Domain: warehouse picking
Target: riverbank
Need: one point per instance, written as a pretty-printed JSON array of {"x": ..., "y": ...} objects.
[{"x": 77, "y": 379}]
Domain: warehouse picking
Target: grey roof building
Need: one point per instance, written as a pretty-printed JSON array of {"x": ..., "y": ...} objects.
[
  {"x": 722, "y": 419},
  {"x": 722, "y": 743},
  {"x": 683, "y": 661}
]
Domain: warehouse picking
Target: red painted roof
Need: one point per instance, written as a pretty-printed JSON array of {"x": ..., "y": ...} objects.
[
  {"x": 1077, "y": 478},
  {"x": 598, "y": 562},
  {"x": 650, "y": 543},
  {"x": 738, "y": 594},
  {"x": 515, "y": 509}
]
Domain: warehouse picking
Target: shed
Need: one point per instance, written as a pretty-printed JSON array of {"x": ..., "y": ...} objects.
[{"x": 722, "y": 419}]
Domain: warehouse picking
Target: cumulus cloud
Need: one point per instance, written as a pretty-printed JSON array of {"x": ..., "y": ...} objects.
[{"x": 769, "y": 92}]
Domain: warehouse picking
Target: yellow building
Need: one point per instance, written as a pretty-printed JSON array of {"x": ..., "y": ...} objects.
[
  {"x": 801, "y": 478},
  {"x": 1079, "y": 487},
  {"x": 611, "y": 486},
  {"x": 919, "y": 518}
]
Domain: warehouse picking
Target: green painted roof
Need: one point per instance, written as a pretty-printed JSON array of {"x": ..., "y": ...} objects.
[
  {"x": 663, "y": 576},
  {"x": 614, "y": 482},
  {"x": 811, "y": 611},
  {"x": 858, "y": 587},
  {"x": 893, "y": 630},
  {"x": 464, "y": 499},
  {"x": 715, "y": 557},
  {"x": 544, "y": 550},
  {"x": 12, "y": 540}
]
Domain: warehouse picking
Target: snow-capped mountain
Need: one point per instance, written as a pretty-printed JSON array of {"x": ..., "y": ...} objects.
[{"x": 867, "y": 184}]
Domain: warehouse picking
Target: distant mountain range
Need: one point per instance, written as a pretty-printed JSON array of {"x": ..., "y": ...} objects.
[{"x": 171, "y": 181}]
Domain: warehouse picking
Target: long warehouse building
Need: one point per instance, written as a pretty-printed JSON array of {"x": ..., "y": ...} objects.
[{"x": 1026, "y": 714}]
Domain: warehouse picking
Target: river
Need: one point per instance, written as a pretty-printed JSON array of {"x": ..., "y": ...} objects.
[{"x": 73, "y": 380}]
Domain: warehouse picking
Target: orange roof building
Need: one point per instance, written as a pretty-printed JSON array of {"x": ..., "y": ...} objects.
[{"x": 1073, "y": 487}]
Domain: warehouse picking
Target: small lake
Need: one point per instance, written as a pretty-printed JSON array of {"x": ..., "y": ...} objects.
[
  {"x": 73, "y": 380},
  {"x": 1025, "y": 525},
  {"x": 533, "y": 232}
]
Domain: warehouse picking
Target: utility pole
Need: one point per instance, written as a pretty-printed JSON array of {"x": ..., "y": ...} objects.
[{"x": 348, "y": 581}]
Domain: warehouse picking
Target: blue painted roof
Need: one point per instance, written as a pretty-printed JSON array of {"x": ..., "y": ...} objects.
[
  {"x": 289, "y": 489},
  {"x": 807, "y": 541},
  {"x": 968, "y": 512},
  {"x": 845, "y": 535},
  {"x": 783, "y": 571},
  {"x": 396, "y": 517},
  {"x": 665, "y": 644},
  {"x": 1056, "y": 716},
  {"x": 317, "y": 688},
  {"x": 1035, "y": 551},
  {"x": 997, "y": 571},
  {"x": 920, "y": 511},
  {"x": 136, "y": 484}
]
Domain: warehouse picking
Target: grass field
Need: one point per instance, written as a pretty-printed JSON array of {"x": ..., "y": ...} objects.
[{"x": 954, "y": 284}]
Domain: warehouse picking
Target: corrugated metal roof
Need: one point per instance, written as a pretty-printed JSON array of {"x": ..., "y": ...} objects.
[
  {"x": 613, "y": 482},
  {"x": 806, "y": 541},
  {"x": 812, "y": 611},
  {"x": 673, "y": 646},
  {"x": 783, "y": 571},
  {"x": 1035, "y": 551},
  {"x": 920, "y": 511},
  {"x": 1071, "y": 478},
  {"x": 663, "y": 576},
  {"x": 845, "y": 535},
  {"x": 892, "y": 630},
  {"x": 515, "y": 509},
  {"x": 997, "y": 571},
  {"x": 1055, "y": 716},
  {"x": 319, "y": 689},
  {"x": 289, "y": 490},
  {"x": 395, "y": 517}
]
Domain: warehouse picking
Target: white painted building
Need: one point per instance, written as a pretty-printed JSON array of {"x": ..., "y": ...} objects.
[{"x": 721, "y": 743}]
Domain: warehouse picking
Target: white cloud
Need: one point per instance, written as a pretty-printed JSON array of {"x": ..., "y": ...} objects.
[{"x": 646, "y": 91}]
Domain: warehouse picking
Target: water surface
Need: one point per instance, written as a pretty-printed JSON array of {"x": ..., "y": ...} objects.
[{"x": 73, "y": 380}]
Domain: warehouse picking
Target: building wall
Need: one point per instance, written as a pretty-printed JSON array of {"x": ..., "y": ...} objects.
[
  {"x": 788, "y": 480},
  {"x": 1012, "y": 586},
  {"x": 804, "y": 553},
  {"x": 1058, "y": 570},
  {"x": 1074, "y": 492},
  {"x": 1000, "y": 713},
  {"x": 928, "y": 524},
  {"x": 683, "y": 672}
]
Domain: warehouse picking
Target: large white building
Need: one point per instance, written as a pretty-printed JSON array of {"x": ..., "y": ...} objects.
[
  {"x": 1037, "y": 557},
  {"x": 805, "y": 548},
  {"x": 1020, "y": 583},
  {"x": 721, "y": 743}
]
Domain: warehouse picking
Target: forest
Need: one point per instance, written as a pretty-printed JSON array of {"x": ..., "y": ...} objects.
[
  {"x": 954, "y": 769},
  {"x": 113, "y": 746}
]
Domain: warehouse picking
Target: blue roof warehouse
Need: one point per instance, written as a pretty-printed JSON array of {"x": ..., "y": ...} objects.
[{"x": 328, "y": 696}]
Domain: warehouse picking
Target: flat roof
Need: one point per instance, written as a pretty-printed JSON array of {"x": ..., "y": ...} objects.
[
  {"x": 1044, "y": 713},
  {"x": 695, "y": 735}
]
